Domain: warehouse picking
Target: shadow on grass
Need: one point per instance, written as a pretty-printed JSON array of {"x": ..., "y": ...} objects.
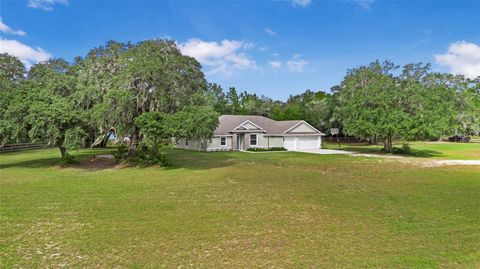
[
  {"x": 42, "y": 158},
  {"x": 184, "y": 159},
  {"x": 422, "y": 153},
  {"x": 196, "y": 160},
  {"x": 35, "y": 163}
]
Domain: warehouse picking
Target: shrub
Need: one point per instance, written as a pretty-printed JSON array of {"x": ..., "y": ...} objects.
[
  {"x": 144, "y": 155},
  {"x": 162, "y": 160},
  {"x": 405, "y": 149},
  {"x": 68, "y": 159},
  {"x": 122, "y": 153},
  {"x": 267, "y": 149}
]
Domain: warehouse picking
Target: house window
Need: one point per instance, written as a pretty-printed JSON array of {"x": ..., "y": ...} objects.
[
  {"x": 223, "y": 141},
  {"x": 186, "y": 142},
  {"x": 253, "y": 140}
]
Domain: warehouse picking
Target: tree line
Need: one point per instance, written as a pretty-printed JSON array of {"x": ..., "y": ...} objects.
[
  {"x": 150, "y": 92},
  {"x": 378, "y": 102}
]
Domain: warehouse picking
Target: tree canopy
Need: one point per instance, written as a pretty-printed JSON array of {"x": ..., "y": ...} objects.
[
  {"x": 125, "y": 86},
  {"x": 414, "y": 105}
]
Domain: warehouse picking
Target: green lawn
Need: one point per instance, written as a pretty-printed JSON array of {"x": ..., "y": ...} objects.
[
  {"x": 436, "y": 150},
  {"x": 233, "y": 209}
]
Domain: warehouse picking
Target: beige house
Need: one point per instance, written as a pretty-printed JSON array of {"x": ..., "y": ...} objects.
[{"x": 238, "y": 132}]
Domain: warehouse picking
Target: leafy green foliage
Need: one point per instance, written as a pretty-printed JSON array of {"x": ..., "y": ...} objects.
[
  {"x": 68, "y": 159},
  {"x": 192, "y": 122},
  {"x": 151, "y": 130},
  {"x": 133, "y": 79},
  {"x": 267, "y": 149},
  {"x": 127, "y": 88},
  {"x": 12, "y": 71},
  {"x": 314, "y": 107},
  {"x": 376, "y": 104},
  {"x": 121, "y": 154},
  {"x": 43, "y": 107}
]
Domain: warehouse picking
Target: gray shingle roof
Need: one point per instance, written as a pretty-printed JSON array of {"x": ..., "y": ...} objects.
[{"x": 229, "y": 122}]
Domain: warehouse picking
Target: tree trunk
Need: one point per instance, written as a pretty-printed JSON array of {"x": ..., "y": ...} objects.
[
  {"x": 63, "y": 151},
  {"x": 388, "y": 144},
  {"x": 91, "y": 138},
  {"x": 105, "y": 139},
  {"x": 132, "y": 149},
  {"x": 385, "y": 145}
]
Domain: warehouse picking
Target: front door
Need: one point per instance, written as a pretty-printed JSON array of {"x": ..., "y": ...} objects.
[{"x": 239, "y": 141}]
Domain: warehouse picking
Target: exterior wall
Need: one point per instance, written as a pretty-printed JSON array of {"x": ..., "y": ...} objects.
[
  {"x": 249, "y": 126},
  {"x": 275, "y": 141},
  {"x": 215, "y": 144},
  {"x": 264, "y": 141},
  {"x": 193, "y": 144},
  {"x": 234, "y": 142},
  {"x": 302, "y": 128}
]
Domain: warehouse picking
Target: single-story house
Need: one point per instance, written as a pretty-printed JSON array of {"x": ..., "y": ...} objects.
[{"x": 239, "y": 132}]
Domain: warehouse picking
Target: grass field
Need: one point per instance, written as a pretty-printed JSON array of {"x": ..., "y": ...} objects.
[
  {"x": 234, "y": 209},
  {"x": 434, "y": 150}
]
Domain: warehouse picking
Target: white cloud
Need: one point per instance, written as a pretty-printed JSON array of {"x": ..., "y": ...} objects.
[
  {"x": 296, "y": 64},
  {"x": 223, "y": 58},
  {"x": 7, "y": 30},
  {"x": 302, "y": 3},
  {"x": 270, "y": 32},
  {"x": 45, "y": 4},
  {"x": 28, "y": 55},
  {"x": 461, "y": 58},
  {"x": 275, "y": 64},
  {"x": 262, "y": 48}
]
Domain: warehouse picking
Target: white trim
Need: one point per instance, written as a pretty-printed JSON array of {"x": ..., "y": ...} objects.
[
  {"x": 260, "y": 128},
  {"x": 250, "y": 139},
  {"x": 223, "y": 135},
  {"x": 223, "y": 144},
  {"x": 293, "y": 127}
]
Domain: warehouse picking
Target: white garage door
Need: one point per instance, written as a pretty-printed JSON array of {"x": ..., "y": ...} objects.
[
  {"x": 290, "y": 142},
  {"x": 308, "y": 142},
  {"x": 301, "y": 142}
]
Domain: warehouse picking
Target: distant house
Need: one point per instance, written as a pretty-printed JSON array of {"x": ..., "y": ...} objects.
[{"x": 237, "y": 132}]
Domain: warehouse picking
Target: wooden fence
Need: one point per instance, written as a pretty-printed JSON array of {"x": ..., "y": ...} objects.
[
  {"x": 22, "y": 146},
  {"x": 343, "y": 139}
]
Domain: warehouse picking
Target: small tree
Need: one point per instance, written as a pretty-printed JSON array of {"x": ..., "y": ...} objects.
[
  {"x": 192, "y": 122},
  {"x": 151, "y": 129}
]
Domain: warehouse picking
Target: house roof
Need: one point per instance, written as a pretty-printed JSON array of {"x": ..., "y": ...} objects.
[{"x": 227, "y": 123}]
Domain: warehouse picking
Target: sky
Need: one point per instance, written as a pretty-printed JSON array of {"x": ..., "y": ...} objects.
[{"x": 272, "y": 48}]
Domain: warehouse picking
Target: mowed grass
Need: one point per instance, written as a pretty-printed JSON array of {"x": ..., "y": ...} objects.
[
  {"x": 233, "y": 209},
  {"x": 435, "y": 150}
]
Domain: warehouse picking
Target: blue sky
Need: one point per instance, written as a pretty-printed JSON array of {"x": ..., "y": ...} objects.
[{"x": 275, "y": 48}]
